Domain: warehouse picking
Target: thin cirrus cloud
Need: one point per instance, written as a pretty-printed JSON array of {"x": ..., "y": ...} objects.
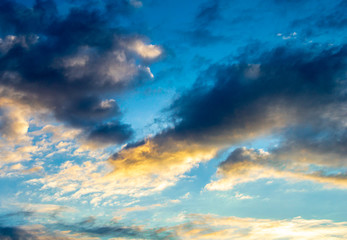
[{"x": 208, "y": 226}]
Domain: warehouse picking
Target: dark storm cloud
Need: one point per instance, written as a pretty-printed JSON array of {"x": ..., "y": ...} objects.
[
  {"x": 282, "y": 89},
  {"x": 244, "y": 94},
  {"x": 70, "y": 64},
  {"x": 18, "y": 19}
]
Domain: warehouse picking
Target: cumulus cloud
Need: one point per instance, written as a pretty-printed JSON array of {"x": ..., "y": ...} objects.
[
  {"x": 14, "y": 120},
  {"x": 68, "y": 63}
]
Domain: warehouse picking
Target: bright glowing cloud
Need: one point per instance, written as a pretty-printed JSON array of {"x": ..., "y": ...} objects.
[
  {"x": 144, "y": 50},
  {"x": 249, "y": 165}
]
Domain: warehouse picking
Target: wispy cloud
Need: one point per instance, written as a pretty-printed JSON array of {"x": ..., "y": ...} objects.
[
  {"x": 200, "y": 226},
  {"x": 248, "y": 165}
]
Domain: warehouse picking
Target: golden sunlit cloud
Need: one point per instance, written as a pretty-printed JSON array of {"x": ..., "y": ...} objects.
[
  {"x": 249, "y": 165},
  {"x": 136, "y": 171},
  {"x": 144, "y": 50}
]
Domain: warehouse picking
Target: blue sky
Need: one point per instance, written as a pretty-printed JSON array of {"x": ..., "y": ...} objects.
[{"x": 150, "y": 119}]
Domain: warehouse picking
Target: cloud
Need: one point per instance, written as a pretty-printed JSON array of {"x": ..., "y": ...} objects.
[
  {"x": 13, "y": 233},
  {"x": 281, "y": 91},
  {"x": 14, "y": 120},
  {"x": 112, "y": 132},
  {"x": 22, "y": 212},
  {"x": 272, "y": 92},
  {"x": 136, "y": 3},
  {"x": 199, "y": 226},
  {"x": 90, "y": 227},
  {"x": 167, "y": 160},
  {"x": 208, "y": 13},
  {"x": 336, "y": 19},
  {"x": 38, "y": 232},
  {"x": 194, "y": 226},
  {"x": 55, "y": 226},
  {"x": 145, "y": 51},
  {"x": 322, "y": 145},
  {"x": 84, "y": 61},
  {"x": 248, "y": 165},
  {"x": 141, "y": 171},
  {"x": 44, "y": 208},
  {"x": 201, "y": 32}
]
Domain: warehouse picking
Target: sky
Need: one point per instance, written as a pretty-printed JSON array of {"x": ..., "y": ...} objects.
[{"x": 152, "y": 119}]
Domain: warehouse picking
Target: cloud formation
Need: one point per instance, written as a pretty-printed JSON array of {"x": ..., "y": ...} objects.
[
  {"x": 140, "y": 171},
  {"x": 201, "y": 34},
  {"x": 72, "y": 64},
  {"x": 199, "y": 226},
  {"x": 280, "y": 91},
  {"x": 248, "y": 165}
]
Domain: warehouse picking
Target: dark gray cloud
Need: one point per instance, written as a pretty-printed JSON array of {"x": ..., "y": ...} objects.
[
  {"x": 111, "y": 132},
  {"x": 244, "y": 96},
  {"x": 90, "y": 227},
  {"x": 72, "y": 64},
  {"x": 281, "y": 91},
  {"x": 19, "y": 19},
  {"x": 315, "y": 144}
]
